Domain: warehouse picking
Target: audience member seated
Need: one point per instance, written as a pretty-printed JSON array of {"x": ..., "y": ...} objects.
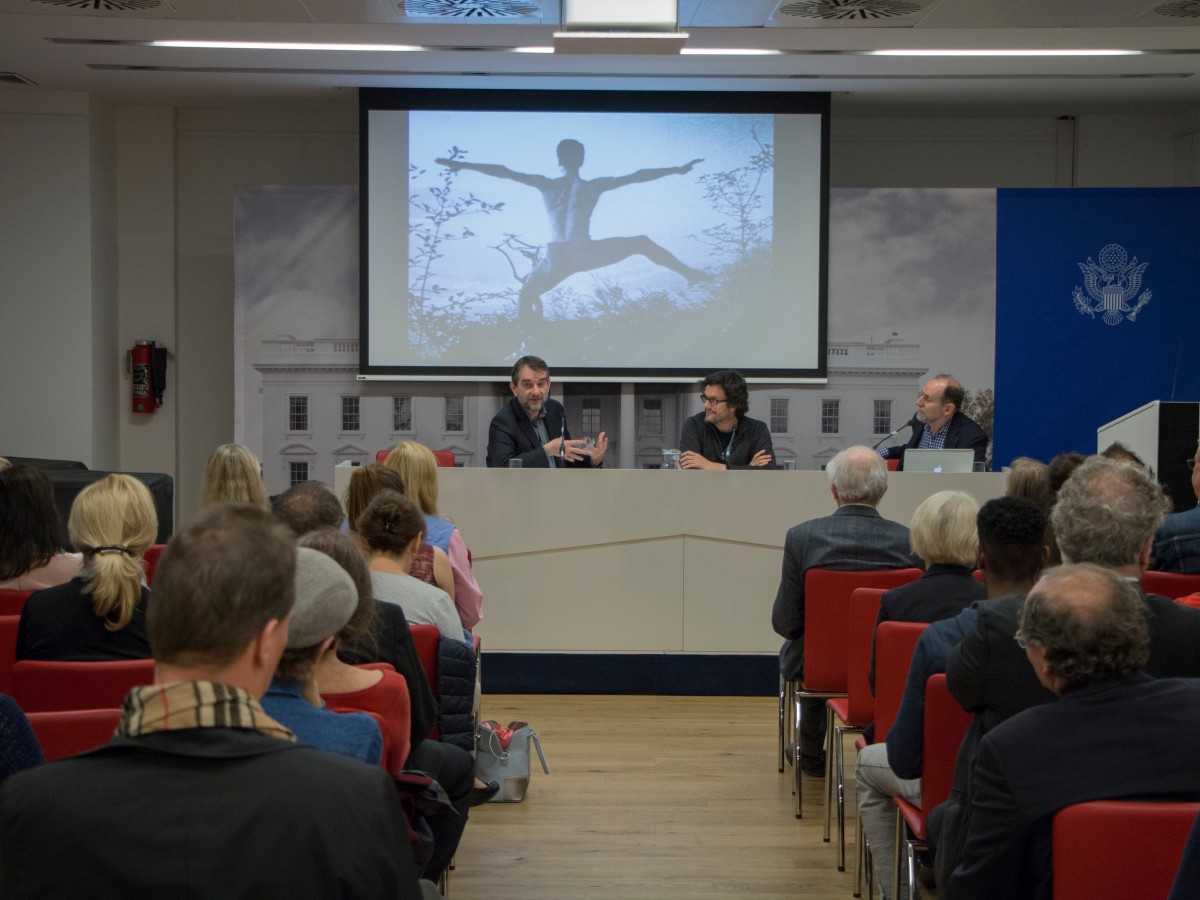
[
  {"x": 347, "y": 688},
  {"x": 19, "y": 748},
  {"x": 1030, "y": 479},
  {"x": 201, "y": 793},
  {"x": 233, "y": 475},
  {"x": 1058, "y": 470},
  {"x": 418, "y": 467},
  {"x": 308, "y": 506},
  {"x": 1011, "y": 551},
  {"x": 1106, "y": 514},
  {"x": 30, "y": 555},
  {"x": 1115, "y": 733},
  {"x": 101, "y": 613},
  {"x": 1177, "y": 541},
  {"x": 325, "y": 601},
  {"x": 430, "y": 564},
  {"x": 854, "y": 537},
  {"x": 942, "y": 533},
  {"x": 392, "y": 528},
  {"x": 1187, "y": 879}
]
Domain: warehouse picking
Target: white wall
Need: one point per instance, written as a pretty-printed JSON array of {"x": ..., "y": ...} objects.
[{"x": 164, "y": 196}]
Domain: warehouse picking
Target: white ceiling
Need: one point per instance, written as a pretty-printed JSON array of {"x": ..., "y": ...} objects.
[{"x": 77, "y": 45}]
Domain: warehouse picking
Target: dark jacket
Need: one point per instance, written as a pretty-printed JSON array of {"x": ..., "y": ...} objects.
[
  {"x": 456, "y": 692},
  {"x": 962, "y": 434},
  {"x": 204, "y": 812},
  {"x": 511, "y": 434},
  {"x": 749, "y": 437},
  {"x": 1120, "y": 739}
]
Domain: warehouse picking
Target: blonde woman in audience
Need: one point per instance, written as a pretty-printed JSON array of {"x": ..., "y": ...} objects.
[
  {"x": 392, "y": 528},
  {"x": 101, "y": 613},
  {"x": 234, "y": 475},
  {"x": 1029, "y": 479},
  {"x": 417, "y": 466},
  {"x": 430, "y": 564},
  {"x": 31, "y": 557}
]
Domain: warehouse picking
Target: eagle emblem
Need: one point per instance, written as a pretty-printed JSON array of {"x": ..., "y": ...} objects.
[{"x": 1111, "y": 284}]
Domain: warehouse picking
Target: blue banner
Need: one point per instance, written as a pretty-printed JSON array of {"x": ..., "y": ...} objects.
[{"x": 1096, "y": 311}]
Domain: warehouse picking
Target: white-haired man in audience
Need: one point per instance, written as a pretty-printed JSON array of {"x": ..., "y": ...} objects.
[
  {"x": 201, "y": 793},
  {"x": 854, "y": 537},
  {"x": 1114, "y": 733}
]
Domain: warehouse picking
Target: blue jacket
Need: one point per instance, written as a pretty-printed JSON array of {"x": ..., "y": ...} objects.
[{"x": 1177, "y": 543}]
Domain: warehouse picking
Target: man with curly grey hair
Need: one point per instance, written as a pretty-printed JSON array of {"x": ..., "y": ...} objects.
[
  {"x": 1114, "y": 732},
  {"x": 1106, "y": 514},
  {"x": 854, "y": 537}
]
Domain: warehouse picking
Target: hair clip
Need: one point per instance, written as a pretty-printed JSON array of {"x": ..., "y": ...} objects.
[{"x": 114, "y": 548}]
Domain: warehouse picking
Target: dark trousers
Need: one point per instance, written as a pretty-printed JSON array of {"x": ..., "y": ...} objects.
[{"x": 452, "y": 768}]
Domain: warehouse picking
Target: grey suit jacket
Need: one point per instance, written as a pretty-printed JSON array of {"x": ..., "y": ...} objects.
[{"x": 854, "y": 537}]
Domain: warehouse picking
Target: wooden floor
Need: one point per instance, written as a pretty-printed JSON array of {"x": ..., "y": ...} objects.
[{"x": 651, "y": 797}]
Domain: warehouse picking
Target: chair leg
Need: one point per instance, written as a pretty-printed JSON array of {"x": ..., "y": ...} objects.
[
  {"x": 829, "y": 785},
  {"x": 840, "y": 767},
  {"x": 860, "y": 857},
  {"x": 799, "y": 791},
  {"x": 898, "y": 855},
  {"x": 869, "y": 864},
  {"x": 910, "y": 857},
  {"x": 782, "y": 718}
]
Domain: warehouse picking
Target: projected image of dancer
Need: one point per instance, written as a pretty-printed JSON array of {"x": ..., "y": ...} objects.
[{"x": 569, "y": 202}]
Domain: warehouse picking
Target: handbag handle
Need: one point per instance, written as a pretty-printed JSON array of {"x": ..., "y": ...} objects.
[{"x": 494, "y": 739}]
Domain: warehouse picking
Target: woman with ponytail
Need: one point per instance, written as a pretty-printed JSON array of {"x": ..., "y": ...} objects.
[{"x": 101, "y": 613}]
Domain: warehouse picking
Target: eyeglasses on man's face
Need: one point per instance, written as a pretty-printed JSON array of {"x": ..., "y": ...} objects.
[{"x": 711, "y": 401}]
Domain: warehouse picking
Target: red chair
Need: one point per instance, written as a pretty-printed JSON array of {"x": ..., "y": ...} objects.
[
  {"x": 1170, "y": 584},
  {"x": 12, "y": 602},
  {"x": 425, "y": 640},
  {"x": 1119, "y": 848},
  {"x": 40, "y": 686},
  {"x": 150, "y": 561},
  {"x": 445, "y": 458},
  {"x": 8, "y": 651},
  {"x": 826, "y": 635},
  {"x": 68, "y": 732},
  {"x": 894, "y": 646},
  {"x": 945, "y": 725},
  {"x": 854, "y": 712}
]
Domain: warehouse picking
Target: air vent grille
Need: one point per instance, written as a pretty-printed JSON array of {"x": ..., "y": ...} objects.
[
  {"x": 12, "y": 78},
  {"x": 469, "y": 9},
  {"x": 1180, "y": 9},
  {"x": 113, "y": 5},
  {"x": 848, "y": 9}
]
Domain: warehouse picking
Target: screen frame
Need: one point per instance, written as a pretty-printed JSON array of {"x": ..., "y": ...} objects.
[{"x": 767, "y": 102}]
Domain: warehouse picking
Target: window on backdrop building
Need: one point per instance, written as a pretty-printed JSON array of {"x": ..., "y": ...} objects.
[
  {"x": 882, "y": 419},
  {"x": 779, "y": 416},
  {"x": 297, "y": 413},
  {"x": 651, "y": 419},
  {"x": 402, "y": 414},
  {"x": 831, "y": 416},
  {"x": 351, "y": 413},
  {"x": 590, "y": 417},
  {"x": 297, "y": 473},
  {"x": 456, "y": 414}
]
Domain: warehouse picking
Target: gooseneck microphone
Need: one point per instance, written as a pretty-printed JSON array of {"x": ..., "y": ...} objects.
[
  {"x": 562, "y": 442},
  {"x": 911, "y": 423}
]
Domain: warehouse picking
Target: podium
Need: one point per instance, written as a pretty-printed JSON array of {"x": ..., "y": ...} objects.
[{"x": 1164, "y": 435}]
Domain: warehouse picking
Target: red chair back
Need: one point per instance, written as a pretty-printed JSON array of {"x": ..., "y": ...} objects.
[
  {"x": 12, "y": 602},
  {"x": 40, "y": 686},
  {"x": 827, "y": 620},
  {"x": 444, "y": 458},
  {"x": 68, "y": 732},
  {"x": 150, "y": 561},
  {"x": 425, "y": 639},
  {"x": 894, "y": 645},
  {"x": 8, "y": 651},
  {"x": 946, "y": 724},
  {"x": 1119, "y": 848},
  {"x": 860, "y": 700},
  {"x": 1170, "y": 584}
]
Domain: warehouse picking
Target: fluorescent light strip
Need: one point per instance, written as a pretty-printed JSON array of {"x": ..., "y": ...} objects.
[
  {"x": 1004, "y": 53},
  {"x": 280, "y": 45},
  {"x": 732, "y": 51}
]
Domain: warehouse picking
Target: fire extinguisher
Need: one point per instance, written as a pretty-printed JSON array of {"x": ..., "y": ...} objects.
[{"x": 148, "y": 365}]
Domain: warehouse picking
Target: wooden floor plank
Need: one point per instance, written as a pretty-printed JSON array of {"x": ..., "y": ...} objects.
[{"x": 651, "y": 797}]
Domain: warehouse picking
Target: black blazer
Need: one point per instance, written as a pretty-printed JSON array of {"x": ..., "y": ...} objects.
[
  {"x": 511, "y": 434},
  {"x": 961, "y": 434}
]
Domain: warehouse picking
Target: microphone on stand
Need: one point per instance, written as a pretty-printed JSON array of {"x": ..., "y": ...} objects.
[
  {"x": 562, "y": 443},
  {"x": 911, "y": 423}
]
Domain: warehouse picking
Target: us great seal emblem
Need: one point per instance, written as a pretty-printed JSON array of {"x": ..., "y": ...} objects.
[{"x": 1112, "y": 284}]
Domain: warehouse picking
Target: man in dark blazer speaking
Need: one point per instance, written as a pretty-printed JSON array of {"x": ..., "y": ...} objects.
[
  {"x": 532, "y": 428},
  {"x": 940, "y": 423}
]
